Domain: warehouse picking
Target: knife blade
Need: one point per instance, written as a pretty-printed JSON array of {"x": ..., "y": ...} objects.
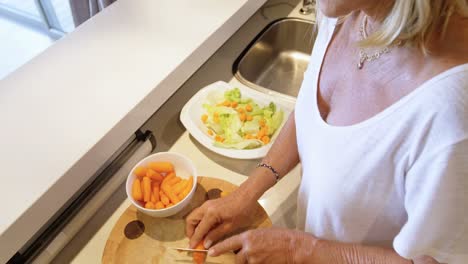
[{"x": 189, "y": 249}]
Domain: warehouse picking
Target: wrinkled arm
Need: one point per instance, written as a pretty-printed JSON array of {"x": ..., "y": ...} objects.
[{"x": 283, "y": 156}]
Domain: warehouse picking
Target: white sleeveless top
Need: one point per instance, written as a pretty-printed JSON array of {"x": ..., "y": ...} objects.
[{"x": 398, "y": 179}]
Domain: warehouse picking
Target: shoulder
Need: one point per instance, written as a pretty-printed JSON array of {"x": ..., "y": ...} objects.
[{"x": 440, "y": 116}]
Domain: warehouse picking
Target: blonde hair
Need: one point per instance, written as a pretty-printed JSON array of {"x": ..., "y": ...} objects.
[{"x": 413, "y": 22}]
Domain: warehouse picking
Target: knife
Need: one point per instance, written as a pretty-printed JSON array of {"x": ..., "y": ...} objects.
[{"x": 189, "y": 249}]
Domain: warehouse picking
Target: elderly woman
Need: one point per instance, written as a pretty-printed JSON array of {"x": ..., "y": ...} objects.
[{"x": 381, "y": 130}]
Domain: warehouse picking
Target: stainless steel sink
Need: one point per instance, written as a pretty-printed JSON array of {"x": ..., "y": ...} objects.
[{"x": 277, "y": 58}]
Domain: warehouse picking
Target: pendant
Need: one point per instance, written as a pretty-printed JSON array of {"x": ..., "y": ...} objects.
[{"x": 360, "y": 64}]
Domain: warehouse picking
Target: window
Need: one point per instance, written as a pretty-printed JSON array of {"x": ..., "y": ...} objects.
[{"x": 28, "y": 27}]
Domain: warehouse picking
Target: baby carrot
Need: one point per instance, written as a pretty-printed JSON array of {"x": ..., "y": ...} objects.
[
  {"x": 140, "y": 171},
  {"x": 199, "y": 257},
  {"x": 146, "y": 189},
  {"x": 149, "y": 205},
  {"x": 173, "y": 181},
  {"x": 154, "y": 175},
  {"x": 187, "y": 189},
  {"x": 159, "y": 205},
  {"x": 177, "y": 188},
  {"x": 136, "y": 190},
  {"x": 167, "y": 179},
  {"x": 164, "y": 198},
  {"x": 155, "y": 193},
  {"x": 161, "y": 166},
  {"x": 168, "y": 192}
]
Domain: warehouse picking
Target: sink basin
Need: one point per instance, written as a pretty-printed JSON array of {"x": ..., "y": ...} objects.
[{"x": 277, "y": 58}]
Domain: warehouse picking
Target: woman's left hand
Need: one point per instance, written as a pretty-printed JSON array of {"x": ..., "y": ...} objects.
[{"x": 267, "y": 245}]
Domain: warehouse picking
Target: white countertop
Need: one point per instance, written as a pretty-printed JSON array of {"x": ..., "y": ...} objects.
[
  {"x": 279, "y": 202},
  {"x": 69, "y": 109}
]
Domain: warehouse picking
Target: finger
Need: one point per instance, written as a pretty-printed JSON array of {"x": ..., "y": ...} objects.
[
  {"x": 205, "y": 225},
  {"x": 192, "y": 221},
  {"x": 217, "y": 234},
  {"x": 241, "y": 257},
  {"x": 232, "y": 243}
]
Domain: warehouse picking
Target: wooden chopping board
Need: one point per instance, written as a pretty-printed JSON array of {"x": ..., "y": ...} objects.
[{"x": 138, "y": 238}]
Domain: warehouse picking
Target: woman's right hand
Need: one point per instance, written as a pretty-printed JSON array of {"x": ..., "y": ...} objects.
[{"x": 220, "y": 217}]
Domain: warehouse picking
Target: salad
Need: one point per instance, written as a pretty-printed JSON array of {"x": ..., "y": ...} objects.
[{"x": 239, "y": 123}]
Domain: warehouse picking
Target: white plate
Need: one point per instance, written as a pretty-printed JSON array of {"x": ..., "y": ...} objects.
[{"x": 193, "y": 110}]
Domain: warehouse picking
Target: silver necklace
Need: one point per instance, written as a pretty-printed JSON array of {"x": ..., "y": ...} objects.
[{"x": 363, "y": 56}]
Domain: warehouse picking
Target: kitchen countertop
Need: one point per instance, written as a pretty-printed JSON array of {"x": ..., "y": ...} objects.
[
  {"x": 279, "y": 202},
  {"x": 65, "y": 112}
]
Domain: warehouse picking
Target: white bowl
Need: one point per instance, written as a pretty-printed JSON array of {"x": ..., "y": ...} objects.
[{"x": 184, "y": 168}]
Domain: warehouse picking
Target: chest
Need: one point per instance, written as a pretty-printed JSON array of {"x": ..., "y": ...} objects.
[{"x": 348, "y": 95}]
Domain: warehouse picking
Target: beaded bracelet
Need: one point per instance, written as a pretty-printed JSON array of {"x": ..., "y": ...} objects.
[{"x": 277, "y": 176}]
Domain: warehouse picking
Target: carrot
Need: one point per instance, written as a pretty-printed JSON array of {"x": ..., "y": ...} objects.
[
  {"x": 150, "y": 205},
  {"x": 187, "y": 189},
  {"x": 167, "y": 179},
  {"x": 216, "y": 117},
  {"x": 173, "y": 181},
  {"x": 154, "y": 175},
  {"x": 146, "y": 189},
  {"x": 249, "y": 136},
  {"x": 219, "y": 138},
  {"x": 240, "y": 110},
  {"x": 179, "y": 187},
  {"x": 242, "y": 116},
  {"x": 169, "y": 193},
  {"x": 210, "y": 132},
  {"x": 204, "y": 118},
  {"x": 155, "y": 193},
  {"x": 248, "y": 108},
  {"x": 136, "y": 190},
  {"x": 164, "y": 198},
  {"x": 262, "y": 122},
  {"x": 159, "y": 205},
  {"x": 161, "y": 166},
  {"x": 140, "y": 171},
  {"x": 265, "y": 139},
  {"x": 226, "y": 103},
  {"x": 261, "y": 133},
  {"x": 249, "y": 118},
  {"x": 199, "y": 257},
  {"x": 234, "y": 104}
]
